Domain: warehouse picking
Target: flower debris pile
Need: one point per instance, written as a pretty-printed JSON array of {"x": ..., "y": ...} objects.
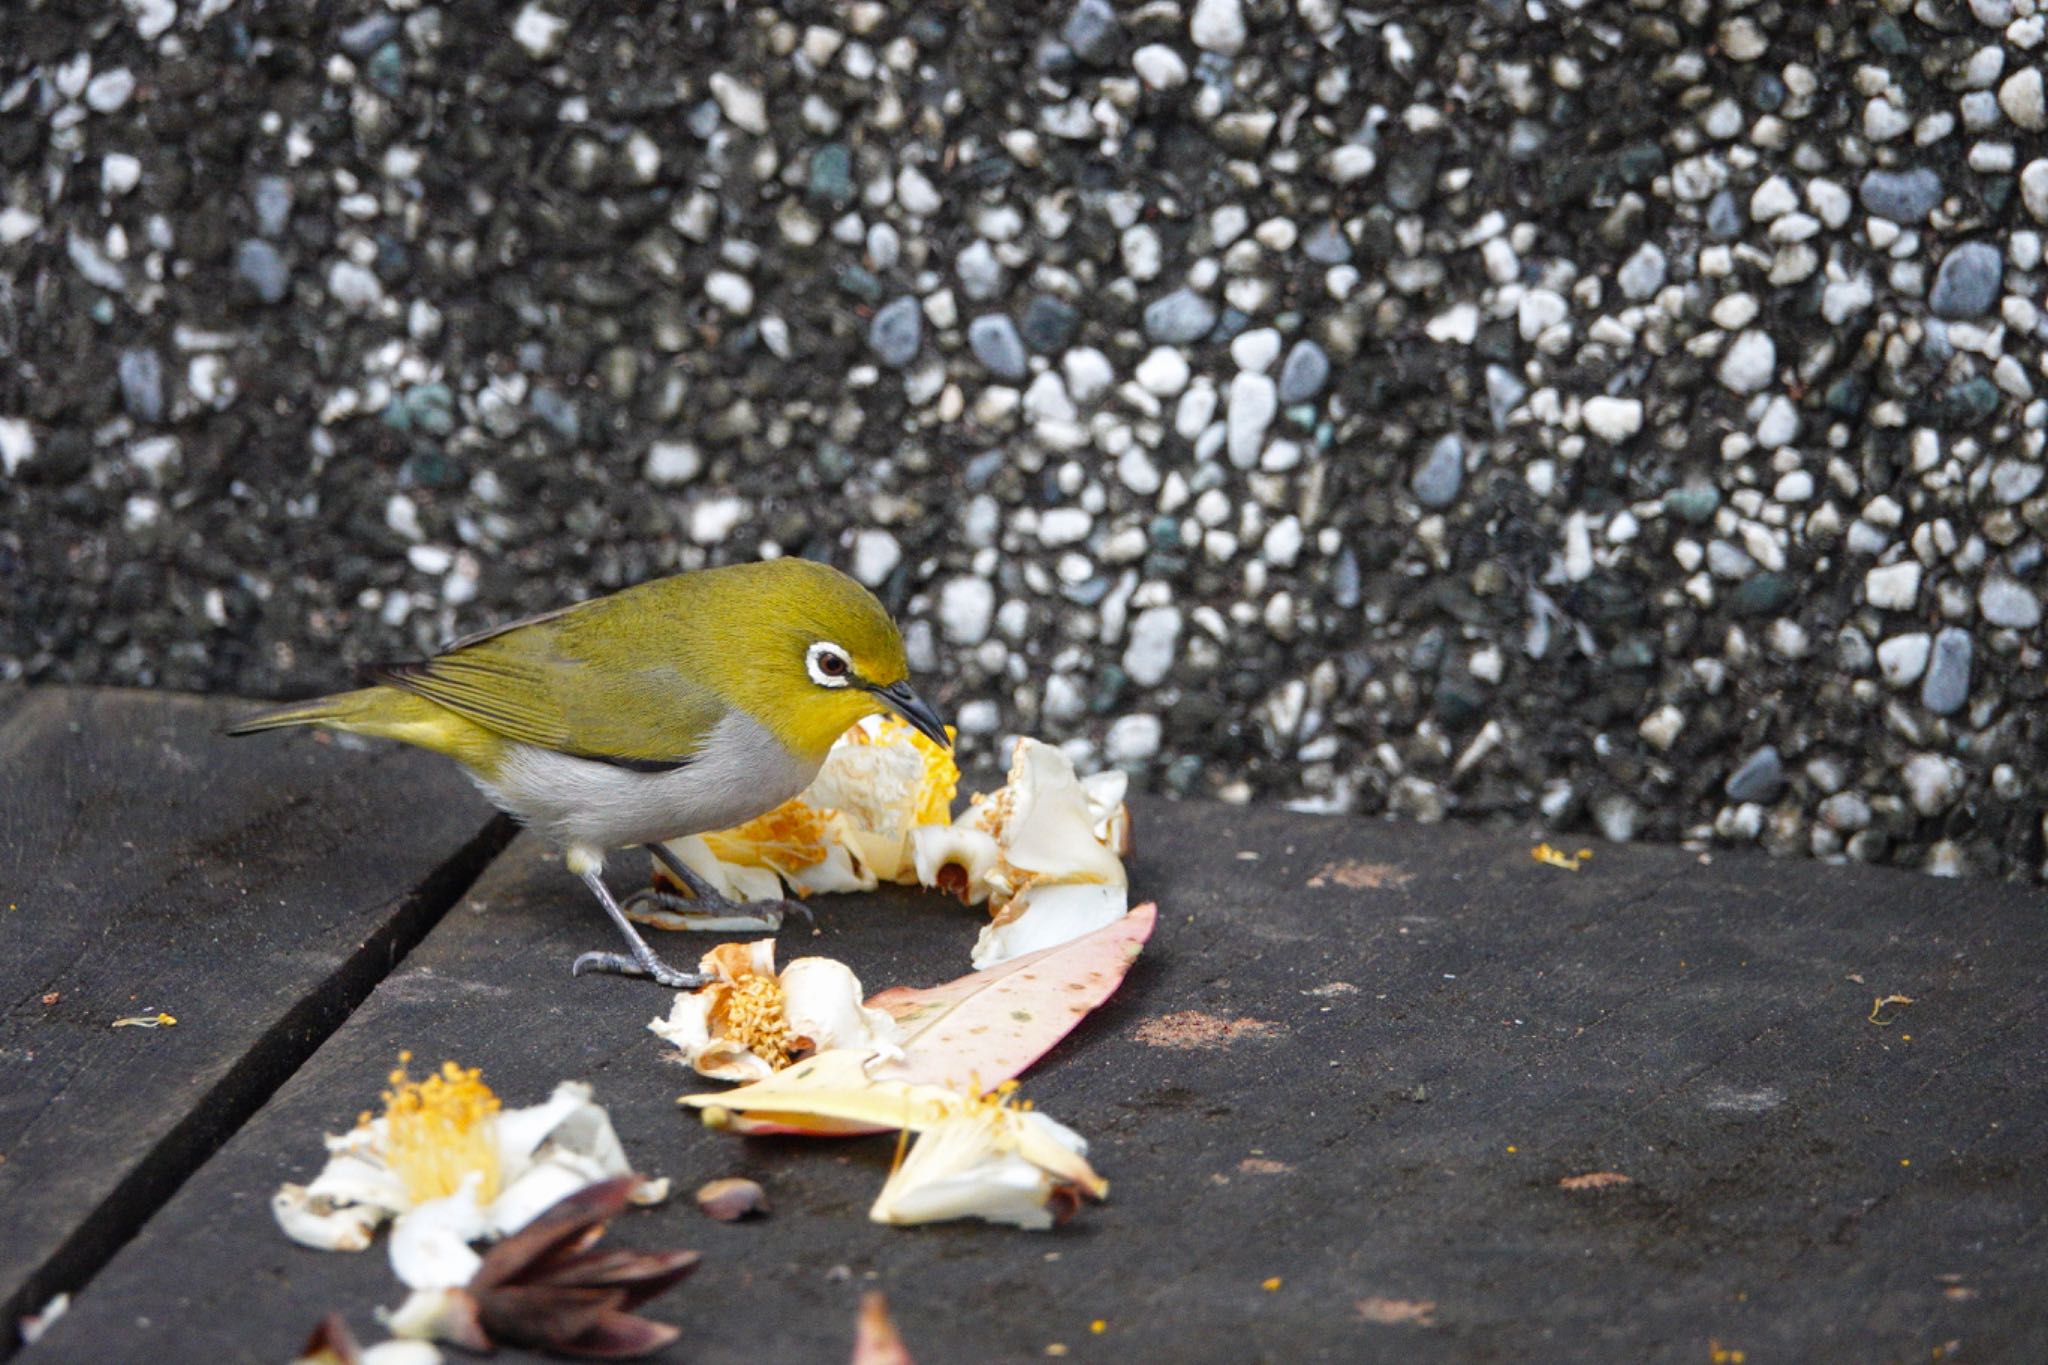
[
  {"x": 449, "y": 1167},
  {"x": 1044, "y": 853}
]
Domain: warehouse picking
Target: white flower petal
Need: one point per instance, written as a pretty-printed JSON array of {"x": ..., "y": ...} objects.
[
  {"x": 355, "y": 1174},
  {"x": 935, "y": 847},
  {"x": 519, "y": 1134},
  {"x": 729, "y": 880},
  {"x": 1051, "y": 830},
  {"x": 402, "y": 1353},
  {"x": 1047, "y": 914},
  {"x": 838, "y": 873},
  {"x": 967, "y": 1167},
  {"x": 430, "y": 1241},
  {"x": 426, "y": 1314},
  {"x": 544, "y": 1184},
  {"x": 822, "y": 1001},
  {"x": 323, "y": 1224}
]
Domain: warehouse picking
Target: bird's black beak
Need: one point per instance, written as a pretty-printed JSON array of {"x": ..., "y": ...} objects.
[{"x": 904, "y": 701}]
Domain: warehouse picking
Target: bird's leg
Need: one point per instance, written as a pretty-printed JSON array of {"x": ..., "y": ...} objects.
[
  {"x": 642, "y": 960},
  {"x": 704, "y": 908}
]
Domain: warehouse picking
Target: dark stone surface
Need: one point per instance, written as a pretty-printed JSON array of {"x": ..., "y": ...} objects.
[
  {"x": 1424, "y": 1032},
  {"x": 253, "y": 890}
]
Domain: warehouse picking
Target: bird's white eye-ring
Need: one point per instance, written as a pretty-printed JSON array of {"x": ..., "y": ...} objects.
[{"x": 827, "y": 664}]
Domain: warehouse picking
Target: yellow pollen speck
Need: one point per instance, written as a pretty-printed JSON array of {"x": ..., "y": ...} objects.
[
  {"x": 755, "y": 1015},
  {"x": 1905, "y": 1161},
  {"x": 1098, "y": 1327},
  {"x": 1557, "y": 857},
  {"x": 1270, "y": 1285},
  {"x": 1057, "y": 1348},
  {"x": 1514, "y": 1149},
  {"x": 438, "y": 1130}
]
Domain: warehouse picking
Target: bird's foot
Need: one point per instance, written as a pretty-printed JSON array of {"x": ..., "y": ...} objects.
[
  {"x": 667, "y": 910},
  {"x": 632, "y": 964}
]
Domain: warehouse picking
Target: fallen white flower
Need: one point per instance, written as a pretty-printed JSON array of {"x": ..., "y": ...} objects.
[
  {"x": 452, "y": 1167},
  {"x": 994, "y": 1162},
  {"x": 1045, "y": 852},
  {"x": 752, "y": 1021}
]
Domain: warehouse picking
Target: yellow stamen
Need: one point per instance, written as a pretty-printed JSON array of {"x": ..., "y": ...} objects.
[
  {"x": 438, "y": 1130},
  {"x": 756, "y": 1015}
]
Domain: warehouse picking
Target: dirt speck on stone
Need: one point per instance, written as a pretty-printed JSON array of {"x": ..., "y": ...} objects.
[
  {"x": 1361, "y": 876},
  {"x": 1192, "y": 1030}
]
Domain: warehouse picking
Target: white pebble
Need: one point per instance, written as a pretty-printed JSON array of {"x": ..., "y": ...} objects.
[
  {"x": 1750, "y": 362},
  {"x": 539, "y": 32},
  {"x": 1159, "y": 67},
  {"x": 1164, "y": 372},
  {"x": 1613, "y": 420},
  {"x": 1893, "y": 587},
  {"x": 1218, "y": 26},
  {"x": 740, "y": 103}
]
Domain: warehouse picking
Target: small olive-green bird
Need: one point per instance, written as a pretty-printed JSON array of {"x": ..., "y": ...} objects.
[{"x": 687, "y": 704}]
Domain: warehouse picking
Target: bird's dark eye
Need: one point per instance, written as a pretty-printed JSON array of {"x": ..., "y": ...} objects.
[{"x": 832, "y": 665}]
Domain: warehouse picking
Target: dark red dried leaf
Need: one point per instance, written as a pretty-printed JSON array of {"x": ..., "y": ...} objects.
[
  {"x": 331, "y": 1344},
  {"x": 640, "y": 1275},
  {"x": 568, "y": 1227},
  {"x": 621, "y": 1336}
]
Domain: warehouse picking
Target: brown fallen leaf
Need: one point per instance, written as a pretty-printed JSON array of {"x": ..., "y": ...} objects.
[
  {"x": 1595, "y": 1180},
  {"x": 545, "y": 1288},
  {"x": 330, "y": 1344},
  {"x": 1397, "y": 1312},
  {"x": 875, "y": 1340},
  {"x": 1188, "y": 1030},
  {"x": 1358, "y": 875}
]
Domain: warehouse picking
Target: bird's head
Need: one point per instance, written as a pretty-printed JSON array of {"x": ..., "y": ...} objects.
[{"x": 831, "y": 656}]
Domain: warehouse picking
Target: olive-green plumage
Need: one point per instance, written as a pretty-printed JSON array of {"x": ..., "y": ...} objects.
[
  {"x": 641, "y": 676},
  {"x": 687, "y": 704}
]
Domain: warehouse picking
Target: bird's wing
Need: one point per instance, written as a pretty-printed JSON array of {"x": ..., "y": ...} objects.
[{"x": 543, "y": 682}]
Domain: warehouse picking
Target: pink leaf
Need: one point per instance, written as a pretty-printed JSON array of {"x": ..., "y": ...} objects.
[
  {"x": 982, "y": 1029},
  {"x": 988, "y": 1028}
]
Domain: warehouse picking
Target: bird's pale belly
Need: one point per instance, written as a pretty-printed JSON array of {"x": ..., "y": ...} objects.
[{"x": 741, "y": 771}]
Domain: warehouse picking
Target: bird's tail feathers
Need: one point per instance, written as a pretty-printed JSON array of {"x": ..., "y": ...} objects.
[{"x": 341, "y": 710}]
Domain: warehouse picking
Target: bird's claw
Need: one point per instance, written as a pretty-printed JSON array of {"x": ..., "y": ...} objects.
[
  {"x": 626, "y": 964},
  {"x": 718, "y": 915}
]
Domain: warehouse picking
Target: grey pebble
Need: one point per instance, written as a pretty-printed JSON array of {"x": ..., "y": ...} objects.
[
  {"x": 1759, "y": 777},
  {"x": 1094, "y": 33},
  {"x": 1967, "y": 284},
  {"x": 981, "y": 274},
  {"x": 271, "y": 197},
  {"x": 1902, "y": 196},
  {"x": 258, "y": 263},
  {"x": 1304, "y": 373},
  {"x": 996, "y": 344},
  {"x": 1504, "y": 393},
  {"x": 365, "y": 36},
  {"x": 142, "y": 383},
  {"x": 1724, "y": 216},
  {"x": 1326, "y": 244},
  {"x": 1437, "y": 482},
  {"x": 1049, "y": 323},
  {"x": 1179, "y": 318},
  {"x": 1642, "y": 274},
  {"x": 1947, "y": 684},
  {"x": 896, "y": 332},
  {"x": 2005, "y": 602}
]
